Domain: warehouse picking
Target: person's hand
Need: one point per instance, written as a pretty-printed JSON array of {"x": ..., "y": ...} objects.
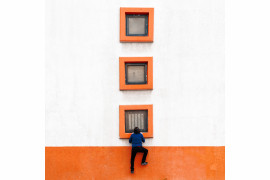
[{"x": 141, "y": 132}]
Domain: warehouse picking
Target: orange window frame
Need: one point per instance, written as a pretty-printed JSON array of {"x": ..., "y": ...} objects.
[
  {"x": 123, "y": 108},
  {"x": 124, "y": 11},
  {"x": 122, "y": 75}
]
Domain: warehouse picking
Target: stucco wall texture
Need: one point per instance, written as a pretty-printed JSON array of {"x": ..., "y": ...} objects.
[{"x": 82, "y": 72}]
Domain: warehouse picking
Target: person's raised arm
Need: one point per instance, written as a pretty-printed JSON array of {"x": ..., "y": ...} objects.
[{"x": 143, "y": 140}]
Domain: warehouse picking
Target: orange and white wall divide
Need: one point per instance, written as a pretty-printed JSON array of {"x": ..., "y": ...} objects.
[{"x": 91, "y": 56}]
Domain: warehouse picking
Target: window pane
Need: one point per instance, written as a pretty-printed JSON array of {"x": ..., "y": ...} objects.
[
  {"x": 136, "y": 25},
  {"x": 136, "y": 74},
  {"x": 136, "y": 119}
]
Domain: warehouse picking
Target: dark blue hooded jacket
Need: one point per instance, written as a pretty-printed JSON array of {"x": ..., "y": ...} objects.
[{"x": 136, "y": 139}]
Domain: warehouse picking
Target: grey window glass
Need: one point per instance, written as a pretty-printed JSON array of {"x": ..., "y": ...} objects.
[
  {"x": 136, "y": 73},
  {"x": 137, "y": 25},
  {"x": 136, "y": 118}
]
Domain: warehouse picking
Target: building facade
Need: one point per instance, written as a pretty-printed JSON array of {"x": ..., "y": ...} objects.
[{"x": 84, "y": 95}]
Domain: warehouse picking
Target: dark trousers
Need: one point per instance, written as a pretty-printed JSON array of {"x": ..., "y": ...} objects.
[{"x": 134, "y": 152}]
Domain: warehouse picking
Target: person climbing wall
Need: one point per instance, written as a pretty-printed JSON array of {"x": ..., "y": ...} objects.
[{"x": 136, "y": 139}]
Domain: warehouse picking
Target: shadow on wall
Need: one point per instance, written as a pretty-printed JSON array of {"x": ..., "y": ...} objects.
[
  {"x": 136, "y": 47},
  {"x": 137, "y": 94}
]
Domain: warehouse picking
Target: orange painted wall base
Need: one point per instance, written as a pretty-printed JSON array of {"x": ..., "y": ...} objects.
[{"x": 180, "y": 163}]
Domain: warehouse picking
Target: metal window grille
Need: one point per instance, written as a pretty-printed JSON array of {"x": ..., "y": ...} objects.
[
  {"x": 137, "y": 25},
  {"x": 136, "y": 118},
  {"x": 136, "y": 73}
]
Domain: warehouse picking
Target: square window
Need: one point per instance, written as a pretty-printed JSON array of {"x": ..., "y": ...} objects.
[
  {"x": 131, "y": 116},
  {"x": 136, "y": 73},
  {"x": 136, "y": 25},
  {"x": 136, "y": 118}
]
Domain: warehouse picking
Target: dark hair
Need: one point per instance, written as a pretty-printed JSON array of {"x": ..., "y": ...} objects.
[{"x": 136, "y": 130}]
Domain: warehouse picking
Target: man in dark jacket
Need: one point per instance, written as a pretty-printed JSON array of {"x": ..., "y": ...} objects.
[{"x": 136, "y": 139}]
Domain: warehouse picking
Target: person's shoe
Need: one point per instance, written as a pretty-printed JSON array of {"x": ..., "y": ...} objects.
[
  {"x": 132, "y": 171},
  {"x": 145, "y": 163}
]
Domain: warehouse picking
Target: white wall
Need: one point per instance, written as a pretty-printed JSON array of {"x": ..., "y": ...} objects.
[{"x": 82, "y": 72}]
